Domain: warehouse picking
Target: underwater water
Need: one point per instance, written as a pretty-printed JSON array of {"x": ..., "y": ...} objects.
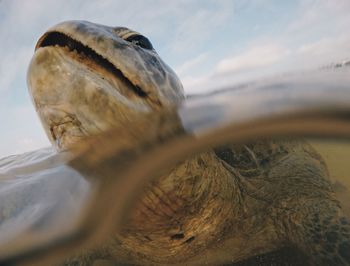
[
  {"x": 336, "y": 154},
  {"x": 38, "y": 192}
]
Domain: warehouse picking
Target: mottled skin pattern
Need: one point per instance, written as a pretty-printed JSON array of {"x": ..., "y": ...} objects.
[
  {"x": 288, "y": 182},
  {"x": 250, "y": 199}
]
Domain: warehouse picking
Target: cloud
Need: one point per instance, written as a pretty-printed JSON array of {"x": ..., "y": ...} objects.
[
  {"x": 199, "y": 84},
  {"x": 197, "y": 24},
  {"x": 327, "y": 49},
  {"x": 189, "y": 65},
  {"x": 266, "y": 60},
  {"x": 255, "y": 61},
  {"x": 255, "y": 57},
  {"x": 317, "y": 36},
  {"x": 319, "y": 14}
]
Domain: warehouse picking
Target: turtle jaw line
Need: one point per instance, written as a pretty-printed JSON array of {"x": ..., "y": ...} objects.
[{"x": 55, "y": 38}]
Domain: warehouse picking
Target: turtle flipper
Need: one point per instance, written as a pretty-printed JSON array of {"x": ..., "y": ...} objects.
[
  {"x": 323, "y": 233},
  {"x": 291, "y": 178},
  {"x": 313, "y": 219}
]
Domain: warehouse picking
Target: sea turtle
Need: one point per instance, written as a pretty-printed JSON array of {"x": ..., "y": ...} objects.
[{"x": 87, "y": 78}]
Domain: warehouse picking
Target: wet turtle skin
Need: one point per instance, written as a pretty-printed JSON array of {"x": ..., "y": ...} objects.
[{"x": 248, "y": 199}]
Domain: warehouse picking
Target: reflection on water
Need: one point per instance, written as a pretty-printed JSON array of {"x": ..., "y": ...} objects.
[{"x": 37, "y": 194}]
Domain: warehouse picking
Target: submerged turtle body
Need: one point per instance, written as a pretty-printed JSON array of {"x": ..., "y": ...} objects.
[{"x": 87, "y": 78}]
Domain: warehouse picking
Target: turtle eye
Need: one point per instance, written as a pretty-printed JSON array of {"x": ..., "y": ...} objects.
[{"x": 141, "y": 41}]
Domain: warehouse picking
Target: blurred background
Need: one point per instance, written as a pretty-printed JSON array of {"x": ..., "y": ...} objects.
[{"x": 210, "y": 44}]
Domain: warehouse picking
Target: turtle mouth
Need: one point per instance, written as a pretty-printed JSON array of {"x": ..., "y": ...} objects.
[{"x": 56, "y": 38}]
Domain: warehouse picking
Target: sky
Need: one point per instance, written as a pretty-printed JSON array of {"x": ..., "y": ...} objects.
[{"x": 210, "y": 44}]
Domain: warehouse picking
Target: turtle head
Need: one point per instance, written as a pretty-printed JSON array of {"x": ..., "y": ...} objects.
[{"x": 85, "y": 78}]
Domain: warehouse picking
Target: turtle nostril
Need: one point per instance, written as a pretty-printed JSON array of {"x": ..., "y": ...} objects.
[{"x": 177, "y": 236}]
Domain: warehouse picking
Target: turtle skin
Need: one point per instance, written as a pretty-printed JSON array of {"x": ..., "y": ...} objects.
[{"x": 288, "y": 181}]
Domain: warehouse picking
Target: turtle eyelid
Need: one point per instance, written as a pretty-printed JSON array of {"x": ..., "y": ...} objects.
[{"x": 141, "y": 41}]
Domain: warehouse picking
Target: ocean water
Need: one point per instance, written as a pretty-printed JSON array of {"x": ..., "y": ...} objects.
[
  {"x": 38, "y": 192},
  {"x": 336, "y": 154}
]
